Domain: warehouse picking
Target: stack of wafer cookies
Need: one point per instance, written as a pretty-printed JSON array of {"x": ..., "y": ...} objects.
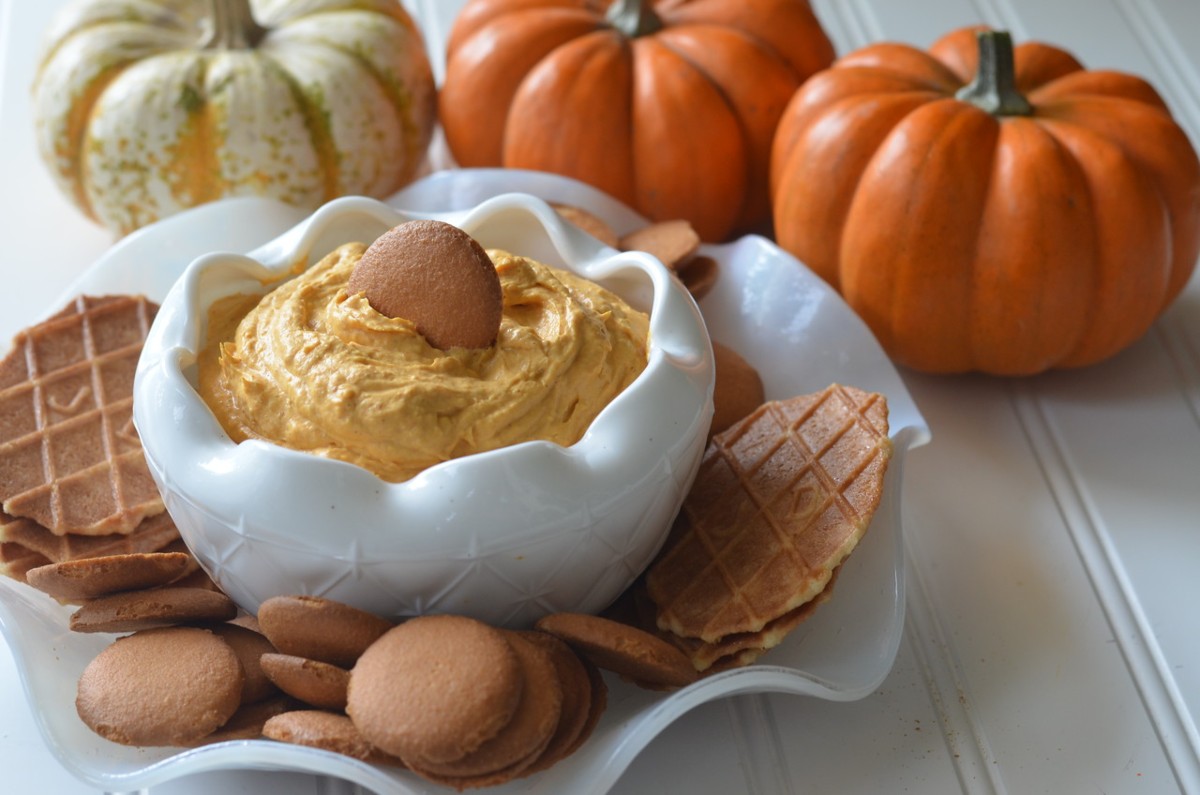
[
  {"x": 70, "y": 457},
  {"x": 782, "y": 498},
  {"x": 24, "y": 541},
  {"x": 73, "y": 480}
]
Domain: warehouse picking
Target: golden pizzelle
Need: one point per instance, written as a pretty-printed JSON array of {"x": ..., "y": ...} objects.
[
  {"x": 781, "y": 499},
  {"x": 70, "y": 458}
]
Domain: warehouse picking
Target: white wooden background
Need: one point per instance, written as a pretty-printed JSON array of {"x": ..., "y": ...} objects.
[{"x": 1053, "y": 524}]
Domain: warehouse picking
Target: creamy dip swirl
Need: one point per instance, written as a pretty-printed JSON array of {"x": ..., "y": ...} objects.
[{"x": 314, "y": 368}]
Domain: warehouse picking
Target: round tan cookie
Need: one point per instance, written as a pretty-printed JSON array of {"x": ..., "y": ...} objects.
[
  {"x": 526, "y": 736},
  {"x": 628, "y": 651},
  {"x": 738, "y": 391},
  {"x": 319, "y": 629},
  {"x": 88, "y": 578},
  {"x": 247, "y": 723},
  {"x": 327, "y": 731},
  {"x": 576, "y": 699},
  {"x": 178, "y": 545},
  {"x": 169, "y": 686},
  {"x": 592, "y": 224},
  {"x": 436, "y": 276},
  {"x": 698, "y": 275},
  {"x": 598, "y": 705},
  {"x": 672, "y": 242},
  {"x": 249, "y": 646},
  {"x": 315, "y": 683},
  {"x": 248, "y": 621},
  {"x": 197, "y": 578},
  {"x": 130, "y": 611},
  {"x": 493, "y": 779},
  {"x": 435, "y": 688}
]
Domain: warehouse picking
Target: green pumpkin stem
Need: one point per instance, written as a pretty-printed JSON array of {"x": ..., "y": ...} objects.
[
  {"x": 994, "y": 88},
  {"x": 634, "y": 17},
  {"x": 233, "y": 26}
]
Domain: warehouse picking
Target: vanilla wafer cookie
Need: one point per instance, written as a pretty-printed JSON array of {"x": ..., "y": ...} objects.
[
  {"x": 699, "y": 274},
  {"x": 781, "y": 499},
  {"x": 313, "y": 682},
  {"x": 672, "y": 242},
  {"x": 70, "y": 458},
  {"x": 329, "y": 731},
  {"x": 738, "y": 390},
  {"x": 588, "y": 222},
  {"x": 624, "y": 649},
  {"x": 248, "y": 722},
  {"x": 576, "y": 684},
  {"x": 131, "y": 611},
  {"x": 89, "y": 578},
  {"x": 166, "y": 686}
]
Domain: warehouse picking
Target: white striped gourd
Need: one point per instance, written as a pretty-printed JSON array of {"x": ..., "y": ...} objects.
[{"x": 147, "y": 107}]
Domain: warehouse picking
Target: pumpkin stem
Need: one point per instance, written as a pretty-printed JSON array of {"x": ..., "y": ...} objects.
[
  {"x": 994, "y": 88},
  {"x": 634, "y": 17},
  {"x": 233, "y": 26}
]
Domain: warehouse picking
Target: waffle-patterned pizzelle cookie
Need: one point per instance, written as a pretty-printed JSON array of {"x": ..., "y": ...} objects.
[
  {"x": 744, "y": 648},
  {"x": 782, "y": 497},
  {"x": 16, "y": 561},
  {"x": 70, "y": 458},
  {"x": 25, "y": 544},
  {"x": 732, "y": 651}
]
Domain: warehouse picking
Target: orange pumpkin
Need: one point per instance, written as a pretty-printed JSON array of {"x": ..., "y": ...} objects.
[
  {"x": 670, "y": 106},
  {"x": 1019, "y": 216}
]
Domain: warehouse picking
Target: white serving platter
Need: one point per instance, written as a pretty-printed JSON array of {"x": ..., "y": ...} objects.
[{"x": 784, "y": 320}]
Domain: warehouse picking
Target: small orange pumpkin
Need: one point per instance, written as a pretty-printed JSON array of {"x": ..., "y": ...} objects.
[
  {"x": 670, "y": 106},
  {"x": 989, "y": 210}
]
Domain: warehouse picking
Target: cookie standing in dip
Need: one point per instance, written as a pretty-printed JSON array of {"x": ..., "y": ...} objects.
[{"x": 313, "y": 367}]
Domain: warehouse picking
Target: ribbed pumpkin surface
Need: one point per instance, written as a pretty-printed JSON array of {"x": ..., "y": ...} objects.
[{"x": 146, "y": 107}]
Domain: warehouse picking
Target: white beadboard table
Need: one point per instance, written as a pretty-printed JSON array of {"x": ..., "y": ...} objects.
[{"x": 1053, "y": 525}]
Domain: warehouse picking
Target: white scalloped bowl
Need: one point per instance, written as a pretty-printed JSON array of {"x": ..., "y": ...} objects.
[{"x": 505, "y": 536}]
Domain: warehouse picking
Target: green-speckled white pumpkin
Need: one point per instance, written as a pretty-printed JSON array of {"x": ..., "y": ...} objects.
[{"x": 147, "y": 107}]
